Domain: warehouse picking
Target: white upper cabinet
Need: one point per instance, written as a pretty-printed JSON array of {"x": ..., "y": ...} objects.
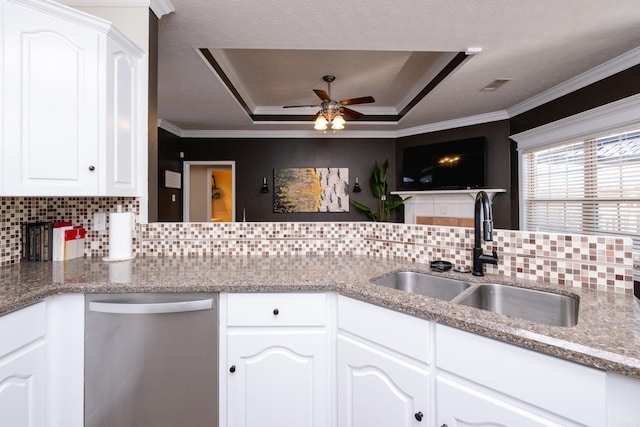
[{"x": 71, "y": 122}]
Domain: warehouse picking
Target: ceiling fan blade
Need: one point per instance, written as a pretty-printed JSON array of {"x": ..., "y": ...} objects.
[
  {"x": 354, "y": 101},
  {"x": 351, "y": 114},
  {"x": 300, "y": 106},
  {"x": 322, "y": 95}
]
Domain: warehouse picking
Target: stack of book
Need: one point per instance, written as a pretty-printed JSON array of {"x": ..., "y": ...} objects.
[{"x": 52, "y": 241}]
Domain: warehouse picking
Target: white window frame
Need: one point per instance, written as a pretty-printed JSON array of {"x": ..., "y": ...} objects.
[{"x": 617, "y": 117}]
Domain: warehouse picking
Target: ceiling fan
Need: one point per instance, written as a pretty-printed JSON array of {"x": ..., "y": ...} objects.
[{"x": 333, "y": 112}]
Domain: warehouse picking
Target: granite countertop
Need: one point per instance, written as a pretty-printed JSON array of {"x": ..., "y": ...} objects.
[{"x": 606, "y": 337}]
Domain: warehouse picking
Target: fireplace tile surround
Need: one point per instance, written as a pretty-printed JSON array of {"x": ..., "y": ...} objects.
[{"x": 595, "y": 262}]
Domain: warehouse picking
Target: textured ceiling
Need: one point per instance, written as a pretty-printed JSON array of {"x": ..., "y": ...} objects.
[{"x": 274, "y": 53}]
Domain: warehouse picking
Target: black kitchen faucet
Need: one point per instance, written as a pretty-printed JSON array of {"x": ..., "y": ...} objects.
[{"x": 479, "y": 259}]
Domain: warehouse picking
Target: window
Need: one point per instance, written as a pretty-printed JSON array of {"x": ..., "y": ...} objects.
[
  {"x": 574, "y": 179},
  {"x": 585, "y": 187}
]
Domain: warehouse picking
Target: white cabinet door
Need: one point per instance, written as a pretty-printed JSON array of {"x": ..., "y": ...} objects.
[
  {"x": 377, "y": 389},
  {"x": 568, "y": 390},
  {"x": 50, "y": 109},
  {"x": 23, "y": 367},
  {"x": 22, "y": 387},
  {"x": 277, "y": 378},
  {"x": 72, "y": 123},
  {"x": 465, "y": 405},
  {"x": 120, "y": 157}
]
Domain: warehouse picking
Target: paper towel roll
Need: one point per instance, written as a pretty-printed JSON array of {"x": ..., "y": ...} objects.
[{"x": 120, "y": 236}]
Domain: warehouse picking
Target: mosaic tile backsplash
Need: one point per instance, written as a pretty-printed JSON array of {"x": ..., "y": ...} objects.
[{"x": 569, "y": 260}]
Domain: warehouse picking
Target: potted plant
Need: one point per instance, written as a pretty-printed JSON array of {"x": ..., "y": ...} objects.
[{"x": 386, "y": 203}]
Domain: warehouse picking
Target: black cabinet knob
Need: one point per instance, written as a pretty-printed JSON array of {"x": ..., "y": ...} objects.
[
  {"x": 232, "y": 369},
  {"x": 92, "y": 168},
  {"x": 418, "y": 416},
  {"x": 276, "y": 311}
]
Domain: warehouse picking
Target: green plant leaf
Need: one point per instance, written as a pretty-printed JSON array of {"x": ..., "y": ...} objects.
[
  {"x": 386, "y": 203},
  {"x": 366, "y": 209}
]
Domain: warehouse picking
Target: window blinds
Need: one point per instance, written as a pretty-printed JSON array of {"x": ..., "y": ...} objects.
[{"x": 587, "y": 187}]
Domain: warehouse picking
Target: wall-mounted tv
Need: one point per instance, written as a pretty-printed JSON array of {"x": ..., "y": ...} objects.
[{"x": 451, "y": 165}]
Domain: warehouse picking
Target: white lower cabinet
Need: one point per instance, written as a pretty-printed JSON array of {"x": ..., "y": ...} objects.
[
  {"x": 277, "y": 379},
  {"x": 276, "y": 361},
  {"x": 23, "y": 362},
  {"x": 379, "y": 389},
  {"x": 23, "y": 387},
  {"x": 485, "y": 382},
  {"x": 463, "y": 404},
  {"x": 41, "y": 364},
  {"x": 285, "y": 361},
  {"x": 383, "y": 377}
]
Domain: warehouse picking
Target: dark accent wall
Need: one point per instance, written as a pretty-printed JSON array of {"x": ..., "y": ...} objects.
[
  {"x": 499, "y": 163},
  {"x": 169, "y": 199},
  {"x": 605, "y": 91},
  {"x": 256, "y": 158}
]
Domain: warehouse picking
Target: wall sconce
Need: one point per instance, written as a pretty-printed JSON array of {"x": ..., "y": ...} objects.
[
  {"x": 265, "y": 187},
  {"x": 356, "y": 186}
]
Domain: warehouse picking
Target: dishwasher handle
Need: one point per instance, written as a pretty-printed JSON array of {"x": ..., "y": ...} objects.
[{"x": 150, "y": 308}]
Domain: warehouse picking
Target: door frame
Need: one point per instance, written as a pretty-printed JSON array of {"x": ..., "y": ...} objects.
[{"x": 186, "y": 167}]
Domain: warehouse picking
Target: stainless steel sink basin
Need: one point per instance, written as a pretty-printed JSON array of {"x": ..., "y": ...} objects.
[
  {"x": 538, "y": 306},
  {"x": 423, "y": 284}
]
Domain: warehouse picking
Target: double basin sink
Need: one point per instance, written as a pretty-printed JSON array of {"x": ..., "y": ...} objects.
[{"x": 529, "y": 304}]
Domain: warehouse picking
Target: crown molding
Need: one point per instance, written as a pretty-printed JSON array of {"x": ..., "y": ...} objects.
[
  {"x": 261, "y": 134},
  {"x": 161, "y": 7},
  {"x": 618, "y": 116},
  {"x": 105, "y": 3},
  {"x": 345, "y": 133},
  {"x": 607, "y": 69},
  {"x": 307, "y": 134},
  {"x": 280, "y": 111},
  {"x": 455, "y": 123},
  {"x": 67, "y": 12},
  {"x": 170, "y": 127}
]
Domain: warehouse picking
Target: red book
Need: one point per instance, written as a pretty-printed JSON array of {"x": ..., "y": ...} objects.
[{"x": 68, "y": 242}]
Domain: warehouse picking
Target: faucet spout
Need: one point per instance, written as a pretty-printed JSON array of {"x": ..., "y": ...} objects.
[{"x": 482, "y": 206}]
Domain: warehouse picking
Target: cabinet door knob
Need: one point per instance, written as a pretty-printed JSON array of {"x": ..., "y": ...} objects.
[
  {"x": 276, "y": 311},
  {"x": 232, "y": 369},
  {"x": 92, "y": 168},
  {"x": 418, "y": 416}
]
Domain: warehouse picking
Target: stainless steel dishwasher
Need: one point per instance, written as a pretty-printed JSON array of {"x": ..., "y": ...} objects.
[{"x": 151, "y": 360}]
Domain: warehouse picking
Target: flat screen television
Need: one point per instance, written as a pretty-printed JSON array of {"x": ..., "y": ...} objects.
[{"x": 452, "y": 165}]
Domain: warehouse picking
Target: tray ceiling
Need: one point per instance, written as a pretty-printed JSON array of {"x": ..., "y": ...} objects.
[{"x": 271, "y": 54}]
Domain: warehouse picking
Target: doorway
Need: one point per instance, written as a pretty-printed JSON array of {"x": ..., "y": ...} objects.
[{"x": 209, "y": 191}]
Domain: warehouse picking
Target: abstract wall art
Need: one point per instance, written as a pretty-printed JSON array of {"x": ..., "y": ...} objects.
[{"x": 311, "y": 190}]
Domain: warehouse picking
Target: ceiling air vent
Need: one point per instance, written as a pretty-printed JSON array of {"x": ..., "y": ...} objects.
[{"x": 497, "y": 83}]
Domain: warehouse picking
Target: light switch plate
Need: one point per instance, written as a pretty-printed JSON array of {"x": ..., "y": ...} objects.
[{"x": 99, "y": 221}]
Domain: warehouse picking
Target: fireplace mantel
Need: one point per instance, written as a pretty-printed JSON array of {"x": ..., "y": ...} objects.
[{"x": 442, "y": 207}]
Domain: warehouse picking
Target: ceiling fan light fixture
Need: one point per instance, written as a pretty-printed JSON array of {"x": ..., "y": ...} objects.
[
  {"x": 338, "y": 122},
  {"x": 320, "y": 123},
  {"x": 331, "y": 111}
]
